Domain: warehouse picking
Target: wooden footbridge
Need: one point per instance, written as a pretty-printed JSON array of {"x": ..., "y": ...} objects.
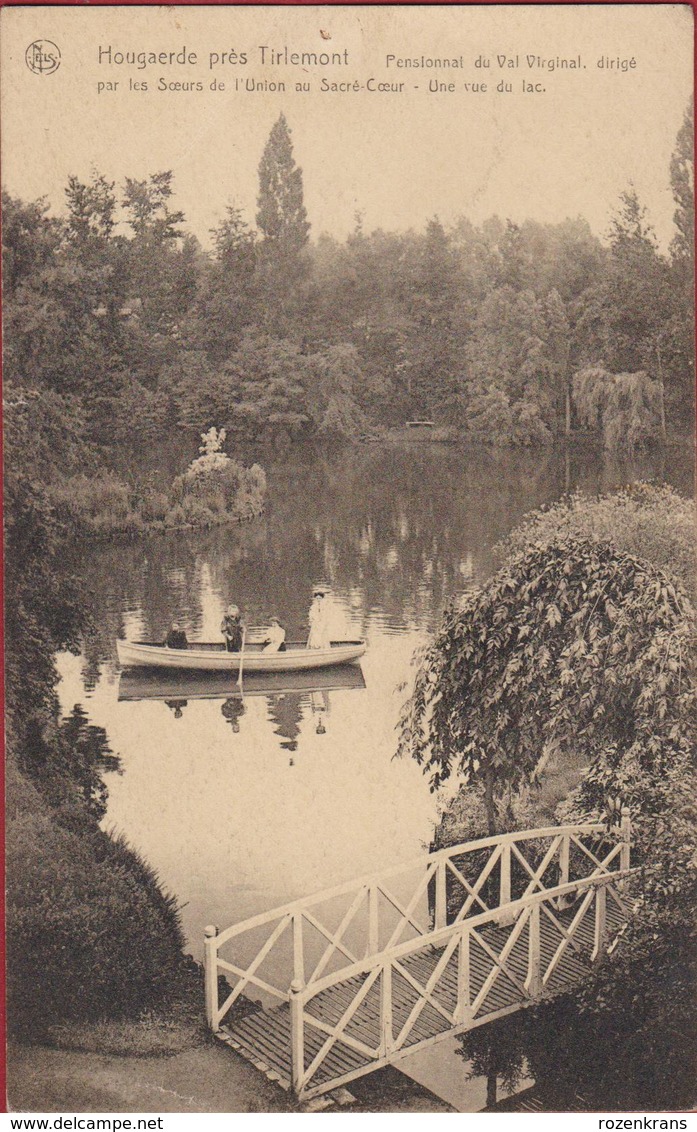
[{"x": 359, "y": 976}]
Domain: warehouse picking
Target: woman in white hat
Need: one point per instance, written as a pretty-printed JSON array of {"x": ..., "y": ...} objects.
[{"x": 319, "y": 620}]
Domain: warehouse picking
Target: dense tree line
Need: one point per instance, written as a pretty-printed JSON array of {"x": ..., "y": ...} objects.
[{"x": 515, "y": 333}]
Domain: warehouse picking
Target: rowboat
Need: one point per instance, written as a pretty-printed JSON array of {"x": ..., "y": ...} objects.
[
  {"x": 155, "y": 684},
  {"x": 203, "y": 657}
]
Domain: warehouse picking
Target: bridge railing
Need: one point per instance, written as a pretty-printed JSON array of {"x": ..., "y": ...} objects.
[
  {"x": 390, "y": 1030},
  {"x": 323, "y": 936}
]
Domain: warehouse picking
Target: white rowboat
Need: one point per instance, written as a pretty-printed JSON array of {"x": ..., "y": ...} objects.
[{"x": 203, "y": 657}]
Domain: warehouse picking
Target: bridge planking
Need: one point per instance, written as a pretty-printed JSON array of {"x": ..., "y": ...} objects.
[
  {"x": 527, "y": 918},
  {"x": 264, "y": 1037}
]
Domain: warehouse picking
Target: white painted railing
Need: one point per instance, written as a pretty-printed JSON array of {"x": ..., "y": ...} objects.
[{"x": 365, "y": 930}]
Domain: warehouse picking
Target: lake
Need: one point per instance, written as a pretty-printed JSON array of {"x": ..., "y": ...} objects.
[{"x": 245, "y": 801}]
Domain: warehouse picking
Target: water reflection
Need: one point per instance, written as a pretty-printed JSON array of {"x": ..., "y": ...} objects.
[
  {"x": 232, "y": 710},
  {"x": 396, "y": 531},
  {"x": 290, "y": 696},
  {"x": 243, "y": 800},
  {"x": 177, "y": 707}
]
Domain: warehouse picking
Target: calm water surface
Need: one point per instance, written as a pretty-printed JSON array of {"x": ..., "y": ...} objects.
[{"x": 244, "y": 802}]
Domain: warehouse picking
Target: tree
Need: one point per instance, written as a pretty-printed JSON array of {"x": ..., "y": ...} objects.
[
  {"x": 271, "y": 377},
  {"x": 282, "y": 221},
  {"x": 434, "y": 341},
  {"x": 636, "y": 297},
  {"x": 682, "y": 179},
  {"x": 161, "y": 275},
  {"x": 679, "y": 346},
  {"x": 558, "y": 344},
  {"x": 147, "y": 208},
  {"x": 332, "y": 396},
  {"x": 91, "y": 210},
  {"x": 226, "y": 301},
  {"x": 573, "y": 647},
  {"x": 508, "y": 395},
  {"x": 624, "y": 407},
  {"x": 30, "y": 240},
  {"x": 281, "y": 214}
]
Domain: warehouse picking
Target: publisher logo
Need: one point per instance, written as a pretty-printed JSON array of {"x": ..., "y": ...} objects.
[{"x": 42, "y": 57}]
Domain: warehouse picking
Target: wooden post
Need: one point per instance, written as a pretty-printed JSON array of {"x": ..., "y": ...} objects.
[
  {"x": 564, "y": 859},
  {"x": 533, "y": 982},
  {"x": 297, "y": 1035},
  {"x": 600, "y": 929},
  {"x": 373, "y": 921},
  {"x": 210, "y": 966},
  {"x": 505, "y": 885},
  {"x": 298, "y": 956},
  {"x": 626, "y": 831},
  {"x": 441, "y": 912},
  {"x": 463, "y": 1010},
  {"x": 387, "y": 1037}
]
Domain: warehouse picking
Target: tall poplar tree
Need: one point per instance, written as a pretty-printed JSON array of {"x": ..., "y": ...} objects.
[
  {"x": 284, "y": 227},
  {"x": 680, "y": 339},
  {"x": 281, "y": 215}
]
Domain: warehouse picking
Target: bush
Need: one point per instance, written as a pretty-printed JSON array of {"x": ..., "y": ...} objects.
[
  {"x": 655, "y": 523},
  {"x": 83, "y": 501},
  {"x": 213, "y": 490},
  {"x": 216, "y": 488},
  {"x": 153, "y": 507},
  {"x": 197, "y": 513},
  {"x": 89, "y": 932},
  {"x": 574, "y": 650}
]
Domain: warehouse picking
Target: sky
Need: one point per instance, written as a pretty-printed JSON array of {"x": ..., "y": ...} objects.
[{"x": 562, "y": 142}]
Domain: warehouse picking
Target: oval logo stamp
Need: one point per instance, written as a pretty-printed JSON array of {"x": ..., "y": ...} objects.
[{"x": 42, "y": 57}]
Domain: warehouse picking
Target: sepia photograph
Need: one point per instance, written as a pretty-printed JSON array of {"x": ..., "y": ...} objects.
[{"x": 350, "y": 559}]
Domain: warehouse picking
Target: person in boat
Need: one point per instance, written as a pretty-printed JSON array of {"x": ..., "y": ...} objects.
[
  {"x": 276, "y": 637},
  {"x": 176, "y": 638},
  {"x": 232, "y": 629},
  {"x": 318, "y": 618}
]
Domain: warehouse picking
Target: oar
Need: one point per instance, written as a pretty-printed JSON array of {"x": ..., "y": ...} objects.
[{"x": 239, "y": 674}]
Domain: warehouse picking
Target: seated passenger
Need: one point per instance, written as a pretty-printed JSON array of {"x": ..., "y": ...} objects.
[
  {"x": 176, "y": 638},
  {"x": 275, "y": 640}
]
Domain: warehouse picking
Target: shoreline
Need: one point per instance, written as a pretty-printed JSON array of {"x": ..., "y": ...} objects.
[{"x": 207, "y": 1078}]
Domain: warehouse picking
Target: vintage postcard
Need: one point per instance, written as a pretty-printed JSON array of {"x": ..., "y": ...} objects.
[{"x": 349, "y": 540}]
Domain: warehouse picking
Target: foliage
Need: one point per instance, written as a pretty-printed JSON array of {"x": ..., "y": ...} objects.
[
  {"x": 89, "y": 933},
  {"x": 622, "y": 687},
  {"x": 147, "y": 207},
  {"x": 651, "y": 522},
  {"x": 42, "y": 613},
  {"x": 80, "y": 756},
  {"x": 215, "y": 487},
  {"x": 640, "y": 999},
  {"x": 85, "y": 501},
  {"x": 281, "y": 214},
  {"x": 682, "y": 181},
  {"x": 513, "y": 674},
  {"x": 624, "y": 407},
  {"x": 679, "y": 337},
  {"x": 475, "y": 327}
]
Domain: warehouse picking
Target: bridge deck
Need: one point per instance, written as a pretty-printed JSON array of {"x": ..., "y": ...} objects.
[{"x": 264, "y": 1037}]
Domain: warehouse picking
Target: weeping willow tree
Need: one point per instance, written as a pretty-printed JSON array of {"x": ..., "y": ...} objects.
[
  {"x": 573, "y": 649},
  {"x": 625, "y": 408}
]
